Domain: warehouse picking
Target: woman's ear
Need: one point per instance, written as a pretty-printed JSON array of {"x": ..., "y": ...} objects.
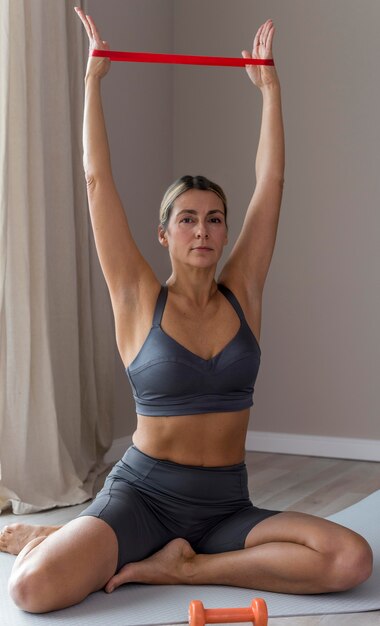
[{"x": 162, "y": 236}]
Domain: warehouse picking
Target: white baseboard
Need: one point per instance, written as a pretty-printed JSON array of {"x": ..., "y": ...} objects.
[
  {"x": 285, "y": 443},
  {"x": 313, "y": 445}
]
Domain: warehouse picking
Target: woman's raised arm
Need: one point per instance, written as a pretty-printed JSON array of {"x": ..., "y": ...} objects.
[
  {"x": 123, "y": 265},
  {"x": 251, "y": 256}
]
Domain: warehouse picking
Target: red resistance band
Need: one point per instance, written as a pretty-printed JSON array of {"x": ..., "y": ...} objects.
[{"x": 151, "y": 57}]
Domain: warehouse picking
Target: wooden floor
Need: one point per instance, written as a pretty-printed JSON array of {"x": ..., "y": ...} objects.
[{"x": 319, "y": 486}]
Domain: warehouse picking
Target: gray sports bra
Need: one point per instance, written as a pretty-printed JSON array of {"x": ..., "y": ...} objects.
[{"x": 168, "y": 379}]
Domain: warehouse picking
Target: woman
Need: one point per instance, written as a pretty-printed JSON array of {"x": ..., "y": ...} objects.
[{"x": 176, "y": 508}]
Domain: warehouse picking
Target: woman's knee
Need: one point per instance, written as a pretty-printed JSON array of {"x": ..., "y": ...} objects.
[
  {"x": 39, "y": 588},
  {"x": 351, "y": 563},
  {"x": 23, "y": 586},
  {"x": 28, "y": 590},
  {"x": 69, "y": 565}
]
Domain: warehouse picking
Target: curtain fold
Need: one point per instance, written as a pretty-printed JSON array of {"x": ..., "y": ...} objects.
[{"x": 56, "y": 329}]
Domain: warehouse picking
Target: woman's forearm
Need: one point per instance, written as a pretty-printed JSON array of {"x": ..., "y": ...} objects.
[
  {"x": 270, "y": 158},
  {"x": 96, "y": 153}
]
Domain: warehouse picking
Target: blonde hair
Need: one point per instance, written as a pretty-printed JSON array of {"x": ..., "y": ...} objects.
[{"x": 180, "y": 186}]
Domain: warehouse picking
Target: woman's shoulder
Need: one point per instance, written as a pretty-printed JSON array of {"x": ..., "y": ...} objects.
[{"x": 245, "y": 290}]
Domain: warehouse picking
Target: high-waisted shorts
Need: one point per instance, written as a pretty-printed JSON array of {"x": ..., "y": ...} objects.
[{"x": 149, "y": 502}]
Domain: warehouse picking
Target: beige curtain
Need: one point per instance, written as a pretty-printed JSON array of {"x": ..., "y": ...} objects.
[{"x": 56, "y": 331}]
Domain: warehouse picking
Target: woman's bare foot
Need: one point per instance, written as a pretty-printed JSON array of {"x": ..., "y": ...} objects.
[
  {"x": 168, "y": 566},
  {"x": 15, "y": 537}
]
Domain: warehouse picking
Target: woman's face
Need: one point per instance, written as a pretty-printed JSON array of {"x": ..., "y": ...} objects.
[{"x": 196, "y": 233}]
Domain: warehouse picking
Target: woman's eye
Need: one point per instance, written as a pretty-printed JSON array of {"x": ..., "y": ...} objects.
[
  {"x": 216, "y": 220},
  {"x": 187, "y": 220}
]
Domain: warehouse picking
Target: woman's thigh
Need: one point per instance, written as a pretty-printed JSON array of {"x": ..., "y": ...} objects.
[
  {"x": 336, "y": 556},
  {"x": 66, "y": 567},
  {"x": 300, "y": 528}
]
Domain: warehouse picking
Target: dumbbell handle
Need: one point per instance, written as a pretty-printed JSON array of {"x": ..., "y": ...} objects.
[{"x": 221, "y": 616}]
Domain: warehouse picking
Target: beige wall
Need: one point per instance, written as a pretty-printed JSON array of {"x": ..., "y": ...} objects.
[{"x": 320, "y": 336}]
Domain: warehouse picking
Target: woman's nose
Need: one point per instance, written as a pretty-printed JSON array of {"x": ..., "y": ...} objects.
[{"x": 202, "y": 231}]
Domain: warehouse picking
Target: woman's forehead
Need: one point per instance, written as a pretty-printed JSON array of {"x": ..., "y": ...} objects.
[{"x": 198, "y": 200}]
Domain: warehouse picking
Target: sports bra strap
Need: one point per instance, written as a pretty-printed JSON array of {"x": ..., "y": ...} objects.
[
  {"x": 163, "y": 295},
  {"x": 232, "y": 300},
  {"x": 160, "y": 305}
]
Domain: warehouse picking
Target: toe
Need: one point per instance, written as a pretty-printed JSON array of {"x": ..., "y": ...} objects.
[
  {"x": 121, "y": 578},
  {"x": 112, "y": 584}
]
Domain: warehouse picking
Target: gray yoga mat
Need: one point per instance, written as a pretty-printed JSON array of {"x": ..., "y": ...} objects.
[{"x": 143, "y": 605}]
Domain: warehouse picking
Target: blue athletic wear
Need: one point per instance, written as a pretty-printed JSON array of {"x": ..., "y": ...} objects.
[{"x": 168, "y": 379}]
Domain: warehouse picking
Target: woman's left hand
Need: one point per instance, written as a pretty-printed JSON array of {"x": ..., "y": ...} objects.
[{"x": 262, "y": 75}]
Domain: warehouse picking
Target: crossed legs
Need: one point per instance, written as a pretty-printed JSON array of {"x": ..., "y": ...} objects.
[{"x": 289, "y": 553}]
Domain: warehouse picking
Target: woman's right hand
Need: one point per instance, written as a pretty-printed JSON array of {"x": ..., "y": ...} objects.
[{"x": 96, "y": 66}]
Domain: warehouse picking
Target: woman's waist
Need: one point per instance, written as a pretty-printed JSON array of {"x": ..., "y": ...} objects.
[{"x": 211, "y": 440}]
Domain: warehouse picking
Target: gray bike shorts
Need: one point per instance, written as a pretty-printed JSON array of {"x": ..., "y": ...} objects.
[{"x": 149, "y": 502}]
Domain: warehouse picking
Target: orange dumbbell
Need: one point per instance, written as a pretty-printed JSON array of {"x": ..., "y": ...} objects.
[{"x": 257, "y": 613}]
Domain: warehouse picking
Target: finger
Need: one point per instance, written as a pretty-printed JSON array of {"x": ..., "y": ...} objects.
[
  {"x": 256, "y": 41},
  {"x": 264, "y": 35},
  {"x": 95, "y": 33},
  {"x": 270, "y": 39},
  {"x": 84, "y": 22}
]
